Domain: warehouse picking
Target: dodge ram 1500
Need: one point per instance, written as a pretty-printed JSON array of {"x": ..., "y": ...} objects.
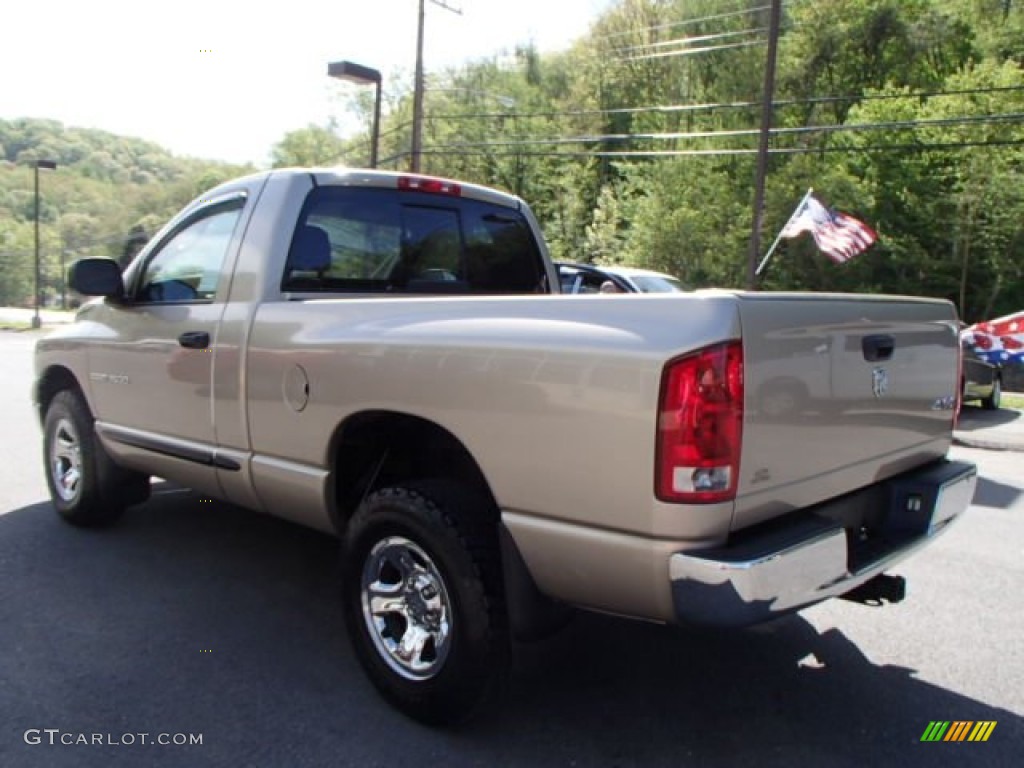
[{"x": 377, "y": 355}]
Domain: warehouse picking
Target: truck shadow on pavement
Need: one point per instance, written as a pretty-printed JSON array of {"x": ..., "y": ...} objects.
[
  {"x": 995, "y": 495},
  {"x": 973, "y": 418},
  {"x": 193, "y": 616},
  {"x": 783, "y": 694}
]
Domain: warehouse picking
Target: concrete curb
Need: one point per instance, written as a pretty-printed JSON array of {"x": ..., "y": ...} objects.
[{"x": 14, "y": 318}]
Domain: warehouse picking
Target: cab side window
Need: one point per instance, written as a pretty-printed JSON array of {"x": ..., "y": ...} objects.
[{"x": 187, "y": 266}]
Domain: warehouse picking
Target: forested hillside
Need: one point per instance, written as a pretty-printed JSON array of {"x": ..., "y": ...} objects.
[
  {"x": 637, "y": 145},
  {"x": 107, "y": 194}
]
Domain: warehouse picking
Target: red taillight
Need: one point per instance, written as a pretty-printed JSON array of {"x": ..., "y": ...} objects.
[
  {"x": 426, "y": 184},
  {"x": 700, "y": 426}
]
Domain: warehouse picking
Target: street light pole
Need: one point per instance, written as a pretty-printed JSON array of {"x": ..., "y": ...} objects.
[
  {"x": 357, "y": 73},
  {"x": 375, "y": 142},
  {"x": 63, "y": 277},
  {"x": 51, "y": 165}
]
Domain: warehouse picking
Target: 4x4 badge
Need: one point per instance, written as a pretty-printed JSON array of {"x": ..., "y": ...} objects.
[{"x": 880, "y": 382}]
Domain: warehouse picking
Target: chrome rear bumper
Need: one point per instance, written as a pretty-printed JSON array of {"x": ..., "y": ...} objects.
[{"x": 778, "y": 569}]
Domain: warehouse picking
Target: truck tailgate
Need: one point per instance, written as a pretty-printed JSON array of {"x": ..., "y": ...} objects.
[{"x": 841, "y": 391}]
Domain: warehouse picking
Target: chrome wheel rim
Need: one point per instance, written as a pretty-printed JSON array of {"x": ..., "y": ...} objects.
[
  {"x": 406, "y": 608},
  {"x": 66, "y": 460}
]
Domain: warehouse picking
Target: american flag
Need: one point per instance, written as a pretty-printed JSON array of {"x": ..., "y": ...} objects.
[
  {"x": 999, "y": 341},
  {"x": 838, "y": 236}
]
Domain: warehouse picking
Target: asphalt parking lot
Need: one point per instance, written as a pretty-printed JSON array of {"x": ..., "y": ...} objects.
[{"x": 193, "y": 617}]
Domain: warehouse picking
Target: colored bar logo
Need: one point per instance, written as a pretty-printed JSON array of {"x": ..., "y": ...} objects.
[{"x": 958, "y": 730}]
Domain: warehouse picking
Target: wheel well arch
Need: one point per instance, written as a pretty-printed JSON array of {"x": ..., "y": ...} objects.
[
  {"x": 55, "y": 379},
  {"x": 375, "y": 449}
]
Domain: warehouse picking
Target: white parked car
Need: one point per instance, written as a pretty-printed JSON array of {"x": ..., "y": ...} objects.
[{"x": 588, "y": 278}]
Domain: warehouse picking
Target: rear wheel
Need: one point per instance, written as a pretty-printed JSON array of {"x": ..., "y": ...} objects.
[
  {"x": 86, "y": 487},
  {"x": 423, "y": 600},
  {"x": 991, "y": 403}
]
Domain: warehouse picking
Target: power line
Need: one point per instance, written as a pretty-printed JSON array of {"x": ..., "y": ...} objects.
[
  {"x": 726, "y": 105},
  {"x": 691, "y": 40},
  {"x": 443, "y": 151},
  {"x": 1013, "y": 117},
  {"x": 692, "y": 51},
  {"x": 686, "y": 22},
  {"x": 362, "y": 145},
  {"x": 745, "y": 133}
]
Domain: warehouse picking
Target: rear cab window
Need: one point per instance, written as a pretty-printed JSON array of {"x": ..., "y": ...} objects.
[{"x": 373, "y": 240}]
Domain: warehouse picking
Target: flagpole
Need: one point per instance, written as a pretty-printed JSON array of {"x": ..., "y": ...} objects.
[{"x": 778, "y": 237}]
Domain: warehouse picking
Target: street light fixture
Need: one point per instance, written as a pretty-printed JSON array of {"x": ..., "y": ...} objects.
[
  {"x": 49, "y": 165},
  {"x": 357, "y": 73}
]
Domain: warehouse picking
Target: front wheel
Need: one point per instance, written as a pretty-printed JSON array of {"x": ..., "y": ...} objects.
[
  {"x": 423, "y": 600},
  {"x": 86, "y": 487},
  {"x": 991, "y": 403}
]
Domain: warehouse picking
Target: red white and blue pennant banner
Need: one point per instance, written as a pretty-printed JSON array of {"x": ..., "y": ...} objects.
[{"x": 999, "y": 341}]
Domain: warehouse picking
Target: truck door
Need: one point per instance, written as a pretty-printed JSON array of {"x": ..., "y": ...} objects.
[{"x": 152, "y": 379}]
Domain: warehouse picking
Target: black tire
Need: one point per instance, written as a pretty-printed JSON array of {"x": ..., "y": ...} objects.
[
  {"x": 432, "y": 551},
  {"x": 86, "y": 487},
  {"x": 991, "y": 403}
]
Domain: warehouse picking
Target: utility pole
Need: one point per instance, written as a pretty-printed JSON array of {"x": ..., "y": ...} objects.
[
  {"x": 765, "y": 135},
  {"x": 417, "y": 94}
]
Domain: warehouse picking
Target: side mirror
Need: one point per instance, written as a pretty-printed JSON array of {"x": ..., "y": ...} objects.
[{"x": 97, "y": 277}]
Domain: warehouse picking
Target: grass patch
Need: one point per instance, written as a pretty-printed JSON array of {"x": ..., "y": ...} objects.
[
  {"x": 15, "y": 326},
  {"x": 1012, "y": 401}
]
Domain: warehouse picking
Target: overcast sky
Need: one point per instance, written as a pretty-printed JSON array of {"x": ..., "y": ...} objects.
[{"x": 224, "y": 79}]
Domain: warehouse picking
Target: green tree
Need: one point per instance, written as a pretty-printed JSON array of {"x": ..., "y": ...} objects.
[
  {"x": 602, "y": 242},
  {"x": 310, "y": 146},
  {"x": 102, "y": 186}
]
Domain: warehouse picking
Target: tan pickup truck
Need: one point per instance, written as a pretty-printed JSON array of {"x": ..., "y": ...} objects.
[{"x": 378, "y": 356}]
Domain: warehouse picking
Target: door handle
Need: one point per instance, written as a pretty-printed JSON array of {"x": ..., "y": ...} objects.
[
  {"x": 878, "y": 348},
  {"x": 194, "y": 340}
]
